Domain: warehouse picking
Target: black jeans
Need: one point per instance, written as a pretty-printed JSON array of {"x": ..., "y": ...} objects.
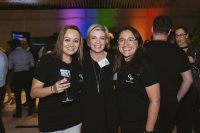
[
  {"x": 196, "y": 124},
  {"x": 185, "y": 115},
  {"x": 21, "y": 81},
  {"x": 2, "y": 93},
  {"x": 132, "y": 127},
  {"x": 167, "y": 116}
]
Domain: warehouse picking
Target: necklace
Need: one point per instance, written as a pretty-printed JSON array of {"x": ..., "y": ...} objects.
[
  {"x": 97, "y": 77},
  {"x": 184, "y": 47}
]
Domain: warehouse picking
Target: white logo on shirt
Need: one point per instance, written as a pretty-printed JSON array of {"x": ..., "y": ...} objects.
[
  {"x": 80, "y": 77},
  {"x": 130, "y": 79}
]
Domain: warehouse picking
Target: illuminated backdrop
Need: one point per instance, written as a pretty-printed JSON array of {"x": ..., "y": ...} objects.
[{"x": 83, "y": 18}]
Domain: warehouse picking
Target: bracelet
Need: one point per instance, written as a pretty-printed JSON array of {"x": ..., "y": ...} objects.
[
  {"x": 52, "y": 90},
  {"x": 145, "y": 131}
]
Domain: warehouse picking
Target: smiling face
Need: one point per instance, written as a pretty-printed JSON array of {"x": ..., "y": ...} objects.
[
  {"x": 97, "y": 40},
  {"x": 181, "y": 37},
  {"x": 127, "y": 44},
  {"x": 71, "y": 42}
]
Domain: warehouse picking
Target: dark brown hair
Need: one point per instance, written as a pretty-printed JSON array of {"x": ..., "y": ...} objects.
[{"x": 137, "y": 59}]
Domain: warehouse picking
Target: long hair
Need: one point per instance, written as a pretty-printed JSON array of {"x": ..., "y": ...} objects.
[
  {"x": 58, "y": 50},
  {"x": 137, "y": 59}
]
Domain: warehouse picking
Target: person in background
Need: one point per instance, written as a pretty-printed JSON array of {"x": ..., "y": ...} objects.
[
  {"x": 136, "y": 83},
  {"x": 54, "y": 113},
  {"x": 187, "y": 106},
  {"x": 20, "y": 62},
  {"x": 3, "y": 73},
  {"x": 171, "y": 38},
  {"x": 98, "y": 94},
  {"x": 171, "y": 63},
  {"x": 27, "y": 46},
  {"x": 9, "y": 81},
  {"x": 48, "y": 47}
]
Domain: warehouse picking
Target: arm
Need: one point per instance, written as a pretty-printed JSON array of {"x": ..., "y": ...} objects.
[
  {"x": 191, "y": 59},
  {"x": 38, "y": 90},
  {"x": 32, "y": 62},
  {"x": 153, "y": 93},
  {"x": 185, "y": 85},
  {"x": 3, "y": 68}
]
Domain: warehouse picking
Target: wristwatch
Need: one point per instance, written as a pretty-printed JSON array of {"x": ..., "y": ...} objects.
[{"x": 145, "y": 131}]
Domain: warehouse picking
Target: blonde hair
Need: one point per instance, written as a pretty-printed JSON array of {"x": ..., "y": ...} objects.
[{"x": 98, "y": 27}]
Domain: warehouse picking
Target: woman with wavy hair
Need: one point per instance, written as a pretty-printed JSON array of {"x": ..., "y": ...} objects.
[{"x": 137, "y": 86}]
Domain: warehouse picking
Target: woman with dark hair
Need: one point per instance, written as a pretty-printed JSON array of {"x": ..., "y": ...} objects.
[
  {"x": 188, "y": 114},
  {"x": 60, "y": 111},
  {"x": 136, "y": 83}
]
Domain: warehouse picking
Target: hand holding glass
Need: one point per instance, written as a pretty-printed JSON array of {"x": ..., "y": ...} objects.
[{"x": 65, "y": 74}]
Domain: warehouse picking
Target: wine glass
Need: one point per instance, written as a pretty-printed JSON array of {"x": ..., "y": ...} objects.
[{"x": 65, "y": 74}]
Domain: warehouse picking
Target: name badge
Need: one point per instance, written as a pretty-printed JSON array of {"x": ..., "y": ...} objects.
[{"x": 103, "y": 62}]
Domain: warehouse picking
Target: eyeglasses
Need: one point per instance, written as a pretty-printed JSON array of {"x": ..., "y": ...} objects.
[
  {"x": 180, "y": 35},
  {"x": 130, "y": 40}
]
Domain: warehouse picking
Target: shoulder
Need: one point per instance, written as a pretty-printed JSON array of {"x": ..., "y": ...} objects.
[
  {"x": 110, "y": 56},
  {"x": 173, "y": 48},
  {"x": 152, "y": 46},
  {"x": 75, "y": 62},
  {"x": 3, "y": 58},
  {"x": 13, "y": 52},
  {"x": 86, "y": 58},
  {"x": 48, "y": 58},
  {"x": 29, "y": 52},
  {"x": 86, "y": 54},
  {"x": 152, "y": 43},
  {"x": 2, "y": 55},
  {"x": 21, "y": 51},
  {"x": 147, "y": 44}
]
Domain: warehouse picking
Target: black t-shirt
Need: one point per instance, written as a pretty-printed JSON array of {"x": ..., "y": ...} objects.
[
  {"x": 99, "y": 112},
  {"x": 53, "y": 114},
  {"x": 169, "y": 61},
  {"x": 133, "y": 101}
]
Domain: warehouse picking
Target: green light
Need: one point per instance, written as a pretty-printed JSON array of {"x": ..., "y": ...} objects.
[{"x": 107, "y": 17}]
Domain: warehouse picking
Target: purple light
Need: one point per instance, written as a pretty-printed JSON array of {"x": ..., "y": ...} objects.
[
  {"x": 72, "y": 16},
  {"x": 82, "y": 18}
]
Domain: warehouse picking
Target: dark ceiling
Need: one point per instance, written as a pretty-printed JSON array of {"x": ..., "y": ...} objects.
[{"x": 60, "y": 4}]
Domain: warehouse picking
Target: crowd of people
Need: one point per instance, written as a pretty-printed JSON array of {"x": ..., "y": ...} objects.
[{"x": 133, "y": 86}]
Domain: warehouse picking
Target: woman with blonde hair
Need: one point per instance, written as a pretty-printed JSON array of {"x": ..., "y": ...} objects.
[{"x": 99, "y": 105}]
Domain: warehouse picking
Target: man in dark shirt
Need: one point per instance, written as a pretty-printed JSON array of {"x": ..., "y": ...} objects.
[{"x": 173, "y": 70}]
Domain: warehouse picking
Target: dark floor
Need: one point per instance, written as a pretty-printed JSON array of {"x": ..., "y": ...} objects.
[{"x": 26, "y": 124}]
